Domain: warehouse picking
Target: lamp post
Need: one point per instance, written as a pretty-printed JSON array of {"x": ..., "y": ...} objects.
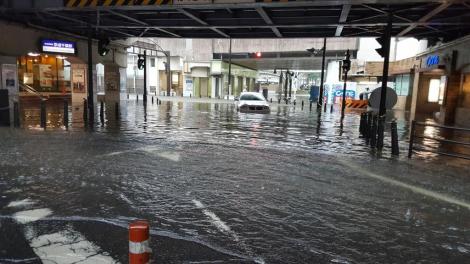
[
  {"x": 314, "y": 52},
  {"x": 346, "y": 67}
]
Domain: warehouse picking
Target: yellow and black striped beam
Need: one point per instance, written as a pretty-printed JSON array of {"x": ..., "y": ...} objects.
[{"x": 95, "y": 3}]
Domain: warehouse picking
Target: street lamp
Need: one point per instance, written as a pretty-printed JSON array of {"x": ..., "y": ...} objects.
[{"x": 346, "y": 67}]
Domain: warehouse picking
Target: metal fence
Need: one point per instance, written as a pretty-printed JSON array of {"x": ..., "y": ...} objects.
[{"x": 453, "y": 143}]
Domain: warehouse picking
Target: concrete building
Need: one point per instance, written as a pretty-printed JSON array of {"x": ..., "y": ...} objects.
[{"x": 200, "y": 66}]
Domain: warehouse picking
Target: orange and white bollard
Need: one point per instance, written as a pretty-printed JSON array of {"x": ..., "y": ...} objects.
[{"x": 139, "y": 242}]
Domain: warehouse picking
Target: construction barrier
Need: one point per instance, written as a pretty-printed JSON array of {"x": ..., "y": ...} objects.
[
  {"x": 139, "y": 242},
  {"x": 361, "y": 104},
  {"x": 94, "y": 3}
]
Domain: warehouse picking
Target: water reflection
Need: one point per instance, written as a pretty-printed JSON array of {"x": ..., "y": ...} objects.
[{"x": 284, "y": 125}]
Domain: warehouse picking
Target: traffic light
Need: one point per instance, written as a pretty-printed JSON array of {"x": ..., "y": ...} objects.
[
  {"x": 103, "y": 46},
  {"x": 383, "y": 43},
  {"x": 141, "y": 62},
  {"x": 347, "y": 62}
]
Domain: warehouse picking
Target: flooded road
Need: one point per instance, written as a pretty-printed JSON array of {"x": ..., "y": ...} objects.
[{"x": 217, "y": 185}]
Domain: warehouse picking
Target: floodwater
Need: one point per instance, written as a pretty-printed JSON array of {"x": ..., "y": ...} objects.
[{"x": 291, "y": 186}]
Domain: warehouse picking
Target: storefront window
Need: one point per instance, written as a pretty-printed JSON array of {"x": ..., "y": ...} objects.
[
  {"x": 402, "y": 84},
  {"x": 434, "y": 90},
  {"x": 44, "y": 73}
]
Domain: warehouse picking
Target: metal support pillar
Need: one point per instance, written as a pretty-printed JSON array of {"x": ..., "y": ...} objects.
[
  {"x": 91, "y": 110},
  {"x": 285, "y": 85},
  {"x": 66, "y": 113},
  {"x": 280, "y": 88},
  {"x": 168, "y": 73},
  {"x": 346, "y": 68},
  {"x": 145, "y": 76},
  {"x": 322, "y": 77},
  {"x": 229, "y": 68},
  {"x": 290, "y": 86},
  {"x": 43, "y": 114},
  {"x": 383, "y": 91}
]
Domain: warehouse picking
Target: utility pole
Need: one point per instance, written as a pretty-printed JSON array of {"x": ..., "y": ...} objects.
[
  {"x": 168, "y": 73},
  {"x": 346, "y": 68},
  {"x": 322, "y": 78},
  {"x": 280, "y": 87},
  {"x": 286, "y": 83},
  {"x": 290, "y": 85},
  {"x": 229, "y": 69},
  {"x": 145, "y": 77}
]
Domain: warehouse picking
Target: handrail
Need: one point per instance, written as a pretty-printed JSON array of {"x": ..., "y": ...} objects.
[
  {"x": 442, "y": 126},
  {"x": 33, "y": 91},
  {"x": 444, "y": 140}
]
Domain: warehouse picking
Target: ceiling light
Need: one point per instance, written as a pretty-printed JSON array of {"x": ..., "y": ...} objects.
[{"x": 33, "y": 54}]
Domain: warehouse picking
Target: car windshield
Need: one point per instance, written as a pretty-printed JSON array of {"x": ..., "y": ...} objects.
[{"x": 250, "y": 97}]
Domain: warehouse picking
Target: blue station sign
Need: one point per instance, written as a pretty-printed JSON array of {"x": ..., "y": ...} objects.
[
  {"x": 432, "y": 60},
  {"x": 58, "y": 46}
]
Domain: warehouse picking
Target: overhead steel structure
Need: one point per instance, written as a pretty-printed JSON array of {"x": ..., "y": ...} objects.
[{"x": 448, "y": 19}]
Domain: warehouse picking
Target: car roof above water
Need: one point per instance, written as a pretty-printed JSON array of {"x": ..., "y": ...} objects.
[{"x": 259, "y": 95}]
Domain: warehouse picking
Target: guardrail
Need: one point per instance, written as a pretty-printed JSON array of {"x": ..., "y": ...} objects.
[{"x": 414, "y": 136}]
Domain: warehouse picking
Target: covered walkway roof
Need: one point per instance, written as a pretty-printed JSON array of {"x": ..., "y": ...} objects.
[{"x": 117, "y": 19}]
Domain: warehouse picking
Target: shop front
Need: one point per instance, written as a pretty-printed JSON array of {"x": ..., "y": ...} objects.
[
  {"x": 441, "y": 85},
  {"x": 48, "y": 70},
  {"x": 242, "y": 79}
]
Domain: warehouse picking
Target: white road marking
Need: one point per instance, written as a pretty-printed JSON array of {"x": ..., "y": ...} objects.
[
  {"x": 21, "y": 203},
  {"x": 28, "y": 216},
  {"x": 65, "y": 246},
  {"x": 155, "y": 150},
  {"x": 415, "y": 189},
  {"x": 215, "y": 220}
]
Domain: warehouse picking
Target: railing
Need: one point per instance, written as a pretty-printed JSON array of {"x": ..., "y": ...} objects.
[
  {"x": 30, "y": 89},
  {"x": 413, "y": 136}
]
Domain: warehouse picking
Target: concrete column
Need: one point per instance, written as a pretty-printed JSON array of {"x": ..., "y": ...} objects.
[
  {"x": 414, "y": 96},
  {"x": 122, "y": 83},
  {"x": 112, "y": 83}
]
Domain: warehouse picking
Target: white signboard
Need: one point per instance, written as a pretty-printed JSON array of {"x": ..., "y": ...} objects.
[
  {"x": 10, "y": 79},
  {"x": 58, "y": 46},
  {"x": 188, "y": 87}
]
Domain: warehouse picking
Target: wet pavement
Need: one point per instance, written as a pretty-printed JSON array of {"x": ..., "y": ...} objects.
[{"x": 219, "y": 186}]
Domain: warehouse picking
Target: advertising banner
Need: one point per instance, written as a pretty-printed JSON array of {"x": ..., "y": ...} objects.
[
  {"x": 45, "y": 75},
  {"x": 335, "y": 92},
  {"x": 28, "y": 78},
  {"x": 78, "y": 80},
  {"x": 10, "y": 79}
]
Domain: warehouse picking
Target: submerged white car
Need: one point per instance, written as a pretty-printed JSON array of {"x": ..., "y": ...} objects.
[{"x": 251, "y": 102}]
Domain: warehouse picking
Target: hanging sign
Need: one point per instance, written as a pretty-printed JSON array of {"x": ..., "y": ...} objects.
[
  {"x": 432, "y": 61},
  {"x": 58, "y": 46}
]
